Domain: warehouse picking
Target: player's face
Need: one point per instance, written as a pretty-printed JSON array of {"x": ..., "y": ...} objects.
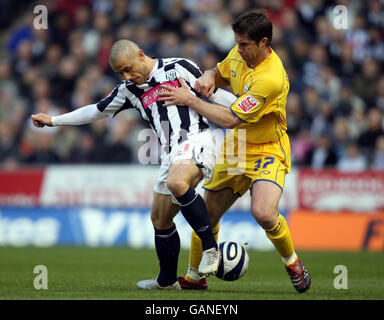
[
  {"x": 132, "y": 69},
  {"x": 248, "y": 49}
]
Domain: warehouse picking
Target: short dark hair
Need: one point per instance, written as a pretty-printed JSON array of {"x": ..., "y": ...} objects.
[{"x": 255, "y": 24}]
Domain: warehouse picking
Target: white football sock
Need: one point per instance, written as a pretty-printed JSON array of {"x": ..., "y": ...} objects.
[{"x": 290, "y": 259}]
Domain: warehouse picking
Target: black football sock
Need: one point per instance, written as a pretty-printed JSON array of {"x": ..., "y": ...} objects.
[
  {"x": 193, "y": 208},
  {"x": 167, "y": 243}
]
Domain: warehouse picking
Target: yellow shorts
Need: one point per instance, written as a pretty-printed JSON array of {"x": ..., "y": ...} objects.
[{"x": 264, "y": 162}]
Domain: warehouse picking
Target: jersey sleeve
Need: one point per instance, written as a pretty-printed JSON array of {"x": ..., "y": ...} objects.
[
  {"x": 116, "y": 101},
  {"x": 80, "y": 116},
  {"x": 223, "y": 97},
  {"x": 111, "y": 105},
  {"x": 251, "y": 106}
]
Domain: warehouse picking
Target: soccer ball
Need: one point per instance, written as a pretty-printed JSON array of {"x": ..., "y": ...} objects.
[{"x": 234, "y": 261}]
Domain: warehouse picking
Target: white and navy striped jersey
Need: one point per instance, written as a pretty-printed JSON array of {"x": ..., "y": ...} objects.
[{"x": 172, "y": 124}]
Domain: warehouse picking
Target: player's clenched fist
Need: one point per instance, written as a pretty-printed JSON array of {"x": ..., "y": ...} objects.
[
  {"x": 205, "y": 85},
  {"x": 40, "y": 120}
]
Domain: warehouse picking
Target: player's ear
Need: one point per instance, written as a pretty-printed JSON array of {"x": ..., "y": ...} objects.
[
  {"x": 263, "y": 42},
  {"x": 141, "y": 54}
]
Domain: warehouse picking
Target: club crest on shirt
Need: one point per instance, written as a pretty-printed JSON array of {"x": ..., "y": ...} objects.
[
  {"x": 171, "y": 75},
  {"x": 248, "y": 103},
  {"x": 246, "y": 88}
]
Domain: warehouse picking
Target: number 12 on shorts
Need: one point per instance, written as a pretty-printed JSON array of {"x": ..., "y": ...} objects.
[{"x": 264, "y": 162}]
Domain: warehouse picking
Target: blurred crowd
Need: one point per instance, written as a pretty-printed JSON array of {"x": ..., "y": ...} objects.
[{"x": 334, "y": 110}]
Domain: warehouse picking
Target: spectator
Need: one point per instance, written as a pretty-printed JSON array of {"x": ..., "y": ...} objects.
[
  {"x": 356, "y": 121},
  {"x": 48, "y": 66},
  {"x": 318, "y": 58},
  {"x": 8, "y": 136},
  {"x": 291, "y": 26},
  {"x": 172, "y": 14},
  {"x": 328, "y": 85},
  {"x": 322, "y": 155},
  {"x": 341, "y": 136},
  {"x": 334, "y": 74},
  {"x": 120, "y": 13},
  {"x": 88, "y": 150},
  {"x": 365, "y": 83},
  {"x": 367, "y": 140},
  {"x": 296, "y": 117},
  {"x": 353, "y": 160},
  {"x": 357, "y": 37},
  {"x": 302, "y": 144},
  {"x": 375, "y": 13},
  {"x": 311, "y": 102},
  {"x": 170, "y": 45},
  {"x": 375, "y": 48},
  {"x": 22, "y": 33},
  {"x": 347, "y": 100},
  {"x": 43, "y": 152},
  {"x": 220, "y": 33},
  {"x": 118, "y": 150},
  {"x": 380, "y": 94},
  {"x": 345, "y": 65},
  {"x": 378, "y": 155},
  {"x": 323, "y": 120}
]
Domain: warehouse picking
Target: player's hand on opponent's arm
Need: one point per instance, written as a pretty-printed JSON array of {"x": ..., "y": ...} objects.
[
  {"x": 205, "y": 85},
  {"x": 180, "y": 96},
  {"x": 41, "y": 119}
]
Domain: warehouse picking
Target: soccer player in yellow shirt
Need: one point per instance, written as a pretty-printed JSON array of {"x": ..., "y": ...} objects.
[{"x": 255, "y": 154}]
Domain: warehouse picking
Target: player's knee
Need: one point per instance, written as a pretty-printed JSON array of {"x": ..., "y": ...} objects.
[
  {"x": 155, "y": 220},
  {"x": 265, "y": 215},
  {"x": 161, "y": 222},
  {"x": 178, "y": 187}
]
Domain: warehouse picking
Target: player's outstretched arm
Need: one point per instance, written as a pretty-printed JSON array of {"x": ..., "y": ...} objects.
[{"x": 80, "y": 116}]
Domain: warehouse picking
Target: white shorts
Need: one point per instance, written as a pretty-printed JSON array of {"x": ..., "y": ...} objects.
[{"x": 201, "y": 148}]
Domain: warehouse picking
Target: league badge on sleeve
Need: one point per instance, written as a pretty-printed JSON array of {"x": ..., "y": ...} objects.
[{"x": 248, "y": 103}]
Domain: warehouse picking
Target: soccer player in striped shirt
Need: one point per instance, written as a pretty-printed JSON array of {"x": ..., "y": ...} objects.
[{"x": 188, "y": 150}]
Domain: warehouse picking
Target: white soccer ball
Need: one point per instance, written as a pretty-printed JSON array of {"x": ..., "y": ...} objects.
[{"x": 234, "y": 261}]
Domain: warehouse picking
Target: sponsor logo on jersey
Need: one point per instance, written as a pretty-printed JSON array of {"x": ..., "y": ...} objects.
[
  {"x": 152, "y": 95},
  {"x": 248, "y": 103}
]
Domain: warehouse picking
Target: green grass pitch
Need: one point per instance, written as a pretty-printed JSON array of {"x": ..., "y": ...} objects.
[{"x": 111, "y": 273}]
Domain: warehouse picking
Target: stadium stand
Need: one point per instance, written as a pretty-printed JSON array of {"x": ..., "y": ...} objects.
[{"x": 335, "y": 109}]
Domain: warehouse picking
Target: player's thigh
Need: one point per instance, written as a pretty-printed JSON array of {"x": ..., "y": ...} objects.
[
  {"x": 163, "y": 211},
  {"x": 218, "y": 202},
  {"x": 265, "y": 197}
]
